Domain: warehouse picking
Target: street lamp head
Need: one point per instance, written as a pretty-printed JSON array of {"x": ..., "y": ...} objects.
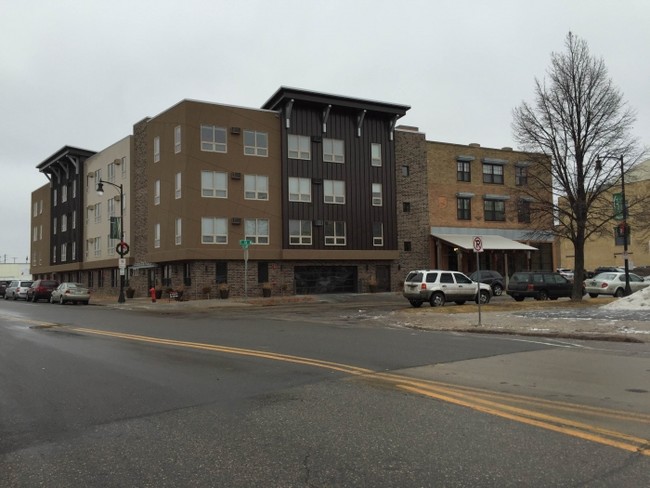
[{"x": 100, "y": 188}]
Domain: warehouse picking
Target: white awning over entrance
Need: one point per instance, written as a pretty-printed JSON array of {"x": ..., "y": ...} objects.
[{"x": 490, "y": 242}]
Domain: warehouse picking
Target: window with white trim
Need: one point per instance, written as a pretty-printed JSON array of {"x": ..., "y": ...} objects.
[
  {"x": 110, "y": 171},
  {"x": 110, "y": 207},
  {"x": 64, "y": 223},
  {"x": 333, "y": 151},
  {"x": 375, "y": 154},
  {"x": 64, "y": 193},
  {"x": 377, "y": 234},
  {"x": 98, "y": 212},
  {"x": 214, "y": 184},
  {"x": 123, "y": 166},
  {"x": 256, "y": 187},
  {"x": 55, "y": 197},
  {"x": 156, "y": 235},
  {"x": 300, "y": 232},
  {"x": 256, "y": 230},
  {"x": 156, "y": 192},
  {"x": 64, "y": 252},
  {"x": 53, "y": 255},
  {"x": 177, "y": 186},
  {"x": 299, "y": 189},
  {"x": 74, "y": 219},
  {"x": 214, "y": 139},
  {"x": 73, "y": 252},
  {"x": 299, "y": 147},
  {"x": 377, "y": 196},
  {"x": 177, "y": 139},
  {"x": 98, "y": 247},
  {"x": 74, "y": 188},
  {"x": 54, "y": 227},
  {"x": 335, "y": 233},
  {"x": 334, "y": 191},
  {"x": 178, "y": 231},
  {"x": 35, "y": 234},
  {"x": 256, "y": 143},
  {"x": 35, "y": 209},
  {"x": 214, "y": 230},
  {"x": 156, "y": 149}
]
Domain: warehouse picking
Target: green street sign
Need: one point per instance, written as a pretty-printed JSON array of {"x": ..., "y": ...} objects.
[{"x": 244, "y": 243}]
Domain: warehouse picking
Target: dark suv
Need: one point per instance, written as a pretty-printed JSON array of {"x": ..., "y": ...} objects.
[
  {"x": 41, "y": 290},
  {"x": 3, "y": 286},
  {"x": 490, "y": 277},
  {"x": 540, "y": 285}
]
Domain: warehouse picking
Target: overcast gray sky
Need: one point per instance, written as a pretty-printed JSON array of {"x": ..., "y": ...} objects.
[{"x": 82, "y": 72}]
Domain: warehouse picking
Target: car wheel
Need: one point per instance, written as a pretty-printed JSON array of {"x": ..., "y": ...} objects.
[
  {"x": 416, "y": 303},
  {"x": 484, "y": 296},
  {"x": 437, "y": 300},
  {"x": 497, "y": 290},
  {"x": 518, "y": 299},
  {"x": 593, "y": 295},
  {"x": 542, "y": 295},
  {"x": 619, "y": 293}
]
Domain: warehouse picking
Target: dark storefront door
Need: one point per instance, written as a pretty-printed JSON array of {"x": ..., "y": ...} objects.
[{"x": 325, "y": 279}]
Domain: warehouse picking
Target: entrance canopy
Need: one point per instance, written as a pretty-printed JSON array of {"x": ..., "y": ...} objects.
[{"x": 490, "y": 242}]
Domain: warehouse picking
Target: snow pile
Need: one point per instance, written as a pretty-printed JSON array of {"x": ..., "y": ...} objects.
[{"x": 636, "y": 301}]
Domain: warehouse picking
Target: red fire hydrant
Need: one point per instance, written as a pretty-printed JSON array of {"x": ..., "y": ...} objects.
[{"x": 152, "y": 292}]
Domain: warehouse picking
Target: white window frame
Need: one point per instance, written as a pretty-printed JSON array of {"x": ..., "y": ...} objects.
[
  {"x": 156, "y": 149},
  {"x": 378, "y": 237},
  {"x": 35, "y": 234},
  {"x": 375, "y": 154},
  {"x": 257, "y": 231},
  {"x": 123, "y": 166},
  {"x": 110, "y": 172},
  {"x": 73, "y": 251},
  {"x": 156, "y": 192},
  {"x": 377, "y": 195},
  {"x": 156, "y": 235},
  {"x": 177, "y": 139},
  {"x": 64, "y": 252},
  {"x": 299, "y": 147},
  {"x": 258, "y": 146},
  {"x": 214, "y": 230},
  {"x": 98, "y": 212},
  {"x": 35, "y": 213},
  {"x": 178, "y": 188},
  {"x": 178, "y": 231},
  {"x": 333, "y": 150},
  {"x": 64, "y": 193},
  {"x": 55, "y": 197},
  {"x": 64, "y": 223},
  {"x": 256, "y": 187},
  {"x": 335, "y": 233},
  {"x": 210, "y": 184},
  {"x": 74, "y": 219},
  {"x": 54, "y": 227},
  {"x": 211, "y": 140},
  {"x": 334, "y": 192},
  {"x": 299, "y": 189},
  {"x": 300, "y": 232},
  {"x": 98, "y": 247}
]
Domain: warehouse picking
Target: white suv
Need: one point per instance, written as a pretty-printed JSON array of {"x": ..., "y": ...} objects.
[
  {"x": 439, "y": 286},
  {"x": 17, "y": 289}
]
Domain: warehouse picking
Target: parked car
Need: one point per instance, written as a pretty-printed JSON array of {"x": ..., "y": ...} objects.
[
  {"x": 41, "y": 290},
  {"x": 566, "y": 272},
  {"x": 492, "y": 278},
  {"x": 540, "y": 285},
  {"x": 17, "y": 289},
  {"x": 68, "y": 292},
  {"x": 614, "y": 284},
  {"x": 608, "y": 269},
  {"x": 438, "y": 287},
  {"x": 3, "y": 287}
]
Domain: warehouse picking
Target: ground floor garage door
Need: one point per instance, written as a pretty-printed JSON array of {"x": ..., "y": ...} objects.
[{"x": 325, "y": 279}]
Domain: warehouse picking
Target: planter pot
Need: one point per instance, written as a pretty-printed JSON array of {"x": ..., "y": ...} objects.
[
  {"x": 158, "y": 294},
  {"x": 130, "y": 293},
  {"x": 223, "y": 294},
  {"x": 266, "y": 292}
]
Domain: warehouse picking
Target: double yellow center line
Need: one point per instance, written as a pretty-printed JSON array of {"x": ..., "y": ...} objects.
[{"x": 527, "y": 410}]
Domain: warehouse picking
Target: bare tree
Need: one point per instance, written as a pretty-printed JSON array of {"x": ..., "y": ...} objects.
[{"x": 580, "y": 127}]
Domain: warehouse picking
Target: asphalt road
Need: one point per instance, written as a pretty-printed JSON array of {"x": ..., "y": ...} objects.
[{"x": 92, "y": 396}]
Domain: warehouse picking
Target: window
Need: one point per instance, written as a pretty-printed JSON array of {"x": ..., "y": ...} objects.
[
  {"x": 257, "y": 230},
  {"x": 178, "y": 231},
  {"x": 494, "y": 210},
  {"x": 463, "y": 208},
  {"x": 123, "y": 166},
  {"x": 74, "y": 188},
  {"x": 335, "y": 233},
  {"x": 492, "y": 173},
  {"x": 333, "y": 150},
  {"x": 214, "y": 184},
  {"x": 334, "y": 191},
  {"x": 53, "y": 255},
  {"x": 54, "y": 227},
  {"x": 521, "y": 175},
  {"x": 156, "y": 192},
  {"x": 110, "y": 207},
  {"x": 40, "y": 207},
  {"x": 406, "y": 170},
  {"x": 523, "y": 211},
  {"x": 299, "y": 189},
  {"x": 375, "y": 154},
  {"x": 407, "y": 246},
  {"x": 156, "y": 235},
  {"x": 177, "y": 139},
  {"x": 35, "y": 234},
  {"x": 262, "y": 272},
  {"x": 256, "y": 187},
  {"x": 213, "y": 139},
  {"x": 64, "y": 223},
  {"x": 256, "y": 143},
  {"x": 214, "y": 230},
  {"x": 74, "y": 219},
  {"x": 221, "y": 269},
  {"x": 64, "y": 193},
  {"x": 299, "y": 147},
  {"x": 55, "y": 197},
  {"x": 156, "y": 149},
  {"x": 377, "y": 199},
  {"x": 35, "y": 209},
  {"x": 406, "y": 206},
  {"x": 73, "y": 252},
  {"x": 110, "y": 170},
  {"x": 377, "y": 234},
  {"x": 177, "y": 186},
  {"x": 463, "y": 171},
  {"x": 98, "y": 247},
  {"x": 300, "y": 232}
]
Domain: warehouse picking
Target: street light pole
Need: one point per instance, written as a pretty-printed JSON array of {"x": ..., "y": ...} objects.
[
  {"x": 121, "y": 248},
  {"x": 628, "y": 290}
]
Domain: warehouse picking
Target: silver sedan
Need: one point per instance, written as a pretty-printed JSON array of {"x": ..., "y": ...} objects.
[
  {"x": 70, "y": 292},
  {"x": 613, "y": 284}
]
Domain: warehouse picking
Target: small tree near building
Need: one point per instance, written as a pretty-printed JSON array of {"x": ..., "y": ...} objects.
[{"x": 581, "y": 125}]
